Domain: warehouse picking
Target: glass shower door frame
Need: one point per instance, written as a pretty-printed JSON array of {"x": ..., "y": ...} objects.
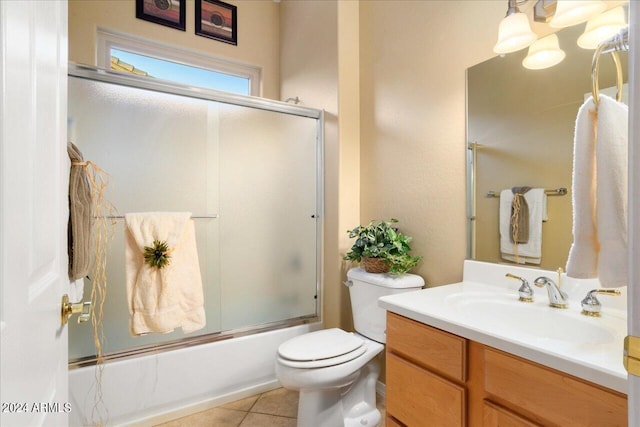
[{"x": 156, "y": 85}]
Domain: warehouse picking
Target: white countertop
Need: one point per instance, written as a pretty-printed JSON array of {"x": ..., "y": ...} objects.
[{"x": 484, "y": 307}]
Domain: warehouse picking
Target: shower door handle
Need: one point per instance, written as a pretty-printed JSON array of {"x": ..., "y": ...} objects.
[{"x": 69, "y": 309}]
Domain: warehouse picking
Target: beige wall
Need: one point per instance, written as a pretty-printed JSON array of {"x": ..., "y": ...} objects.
[
  {"x": 258, "y": 34},
  {"x": 320, "y": 64},
  {"x": 413, "y": 60},
  {"x": 390, "y": 75}
]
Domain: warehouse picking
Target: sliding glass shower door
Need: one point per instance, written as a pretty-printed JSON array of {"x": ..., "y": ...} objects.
[{"x": 248, "y": 170}]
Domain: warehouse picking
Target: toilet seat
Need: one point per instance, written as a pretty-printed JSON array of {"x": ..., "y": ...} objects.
[{"x": 320, "y": 349}]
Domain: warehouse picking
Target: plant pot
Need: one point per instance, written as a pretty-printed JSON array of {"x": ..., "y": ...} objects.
[{"x": 375, "y": 265}]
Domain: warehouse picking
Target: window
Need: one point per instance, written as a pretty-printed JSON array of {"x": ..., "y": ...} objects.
[{"x": 126, "y": 53}]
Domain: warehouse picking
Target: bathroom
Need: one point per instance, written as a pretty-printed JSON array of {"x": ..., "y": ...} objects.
[{"x": 390, "y": 76}]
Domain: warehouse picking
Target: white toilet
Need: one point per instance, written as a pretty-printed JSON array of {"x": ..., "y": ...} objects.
[{"x": 336, "y": 371}]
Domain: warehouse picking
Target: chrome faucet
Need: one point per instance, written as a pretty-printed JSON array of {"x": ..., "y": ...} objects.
[
  {"x": 525, "y": 292},
  {"x": 557, "y": 298},
  {"x": 590, "y": 304}
]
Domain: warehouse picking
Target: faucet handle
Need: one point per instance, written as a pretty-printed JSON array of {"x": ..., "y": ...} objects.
[
  {"x": 525, "y": 292},
  {"x": 590, "y": 304},
  {"x": 560, "y": 271}
]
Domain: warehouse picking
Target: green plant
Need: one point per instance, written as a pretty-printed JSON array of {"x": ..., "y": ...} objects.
[{"x": 380, "y": 239}]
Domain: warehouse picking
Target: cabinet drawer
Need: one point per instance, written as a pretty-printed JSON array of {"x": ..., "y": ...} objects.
[
  {"x": 427, "y": 346},
  {"x": 495, "y": 416},
  {"x": 417, "y": 397},
  {"x": 549, "y": 396}
]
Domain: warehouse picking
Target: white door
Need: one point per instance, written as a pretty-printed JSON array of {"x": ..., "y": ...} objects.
[
  {"x": 33, "y": 212},
  {"x": 634, "y": 201}
]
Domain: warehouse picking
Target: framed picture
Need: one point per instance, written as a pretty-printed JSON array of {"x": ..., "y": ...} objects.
[
  {"x": 164, "y": 12},
  {"x": 217, "y": 20}
]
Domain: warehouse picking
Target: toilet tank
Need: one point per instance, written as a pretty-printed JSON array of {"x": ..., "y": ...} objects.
[{"x": 365, "y": 289}]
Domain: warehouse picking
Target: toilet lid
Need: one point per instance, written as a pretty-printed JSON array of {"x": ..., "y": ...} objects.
[
  {"x": 323, "y": 363},
  {"x": 321, "y": 345}
]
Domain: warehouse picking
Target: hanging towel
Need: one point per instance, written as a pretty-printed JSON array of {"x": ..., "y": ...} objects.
[
  {"x": 600, "y": 171},
  {"x": 530, "y": 252},
  {"x": 611, "y": 191},
  {"x": 519, "y": 223},
  {"x": 583, "y": 255},
  {"x": 162, "y": 299},
  {"x": 80, "y": 216}
]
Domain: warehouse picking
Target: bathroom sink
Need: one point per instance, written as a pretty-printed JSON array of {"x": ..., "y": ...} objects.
[
  {"x": 484, "y": 308},
  {"x": 505, "y": 315}
]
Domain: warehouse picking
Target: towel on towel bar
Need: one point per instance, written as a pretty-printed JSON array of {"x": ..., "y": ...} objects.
[
  {"x": 600, "y": 173},
  {"x": 80, "y": 216},
  {"x": 519, "y": 223},
  {"x": 530, "y": 252},
  {"x": 162, "y": 299}
]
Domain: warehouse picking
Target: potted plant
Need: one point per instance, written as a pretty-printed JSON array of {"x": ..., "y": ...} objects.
[{"x": 381, "y": 248}]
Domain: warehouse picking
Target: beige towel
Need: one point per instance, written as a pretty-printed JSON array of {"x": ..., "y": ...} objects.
[
  {"x": 519, "y": 225},
  {"x": 161, "y": 300},
  {"x": 80, "y": 216},
  {"x": 530, "y": 252}
]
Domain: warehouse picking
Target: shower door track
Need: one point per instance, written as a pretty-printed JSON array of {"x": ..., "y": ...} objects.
[{"x": 190, "y": 342}]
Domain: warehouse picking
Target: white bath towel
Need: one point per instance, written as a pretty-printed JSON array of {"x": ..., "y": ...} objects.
[
  {"x": 530, "y": 252},
  {"x": 583, "y": 255},
  {"x": 161, "y": 300},
  {"x": 600, "y": 193}
]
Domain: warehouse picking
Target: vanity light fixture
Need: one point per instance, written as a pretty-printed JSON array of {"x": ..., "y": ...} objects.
[
  {"x": 573, "y": 12},
  {"x": 602, "y": 27},
  {"x": 514, "y": 32},
  {"x": 544, "y": 53}
]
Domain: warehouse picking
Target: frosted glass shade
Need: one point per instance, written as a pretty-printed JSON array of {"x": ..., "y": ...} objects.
[
  {"x": 514, "y": 34},
  {"x": 544, "y": 53},
  {"x": 572, "y": 12},
  {"x": 602, "y": 27}
]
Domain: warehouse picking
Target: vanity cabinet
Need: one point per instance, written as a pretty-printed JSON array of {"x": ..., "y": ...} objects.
[{"x": 435, "y": 378}]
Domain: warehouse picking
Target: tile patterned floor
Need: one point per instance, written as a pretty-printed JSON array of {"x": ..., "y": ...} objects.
[{"x": 276, "y": 408}]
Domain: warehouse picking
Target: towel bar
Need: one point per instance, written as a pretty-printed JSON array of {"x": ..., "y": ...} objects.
[{"x": 562, "y": 191}]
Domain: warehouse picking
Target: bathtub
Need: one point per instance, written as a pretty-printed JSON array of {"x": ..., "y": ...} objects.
[{"x": 156, "y": 388}]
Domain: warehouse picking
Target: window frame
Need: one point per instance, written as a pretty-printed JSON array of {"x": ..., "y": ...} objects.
[{"x": 107, "y": 40}]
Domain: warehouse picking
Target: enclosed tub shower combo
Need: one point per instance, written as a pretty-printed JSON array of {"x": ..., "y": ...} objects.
[{"x": 249, "y": 171}]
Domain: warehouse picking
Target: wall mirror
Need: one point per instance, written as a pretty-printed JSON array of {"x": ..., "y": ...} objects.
[{"x": 520, "y": 127}]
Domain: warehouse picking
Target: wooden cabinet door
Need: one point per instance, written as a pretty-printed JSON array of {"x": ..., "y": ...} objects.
[
  {"x": 550, "y": 396},
  {"x": 391, "y": 422},
  {"x": 495, "y": 416}
]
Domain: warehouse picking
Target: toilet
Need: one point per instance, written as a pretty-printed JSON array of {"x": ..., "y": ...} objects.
[{"x": 336, "y": 371}]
